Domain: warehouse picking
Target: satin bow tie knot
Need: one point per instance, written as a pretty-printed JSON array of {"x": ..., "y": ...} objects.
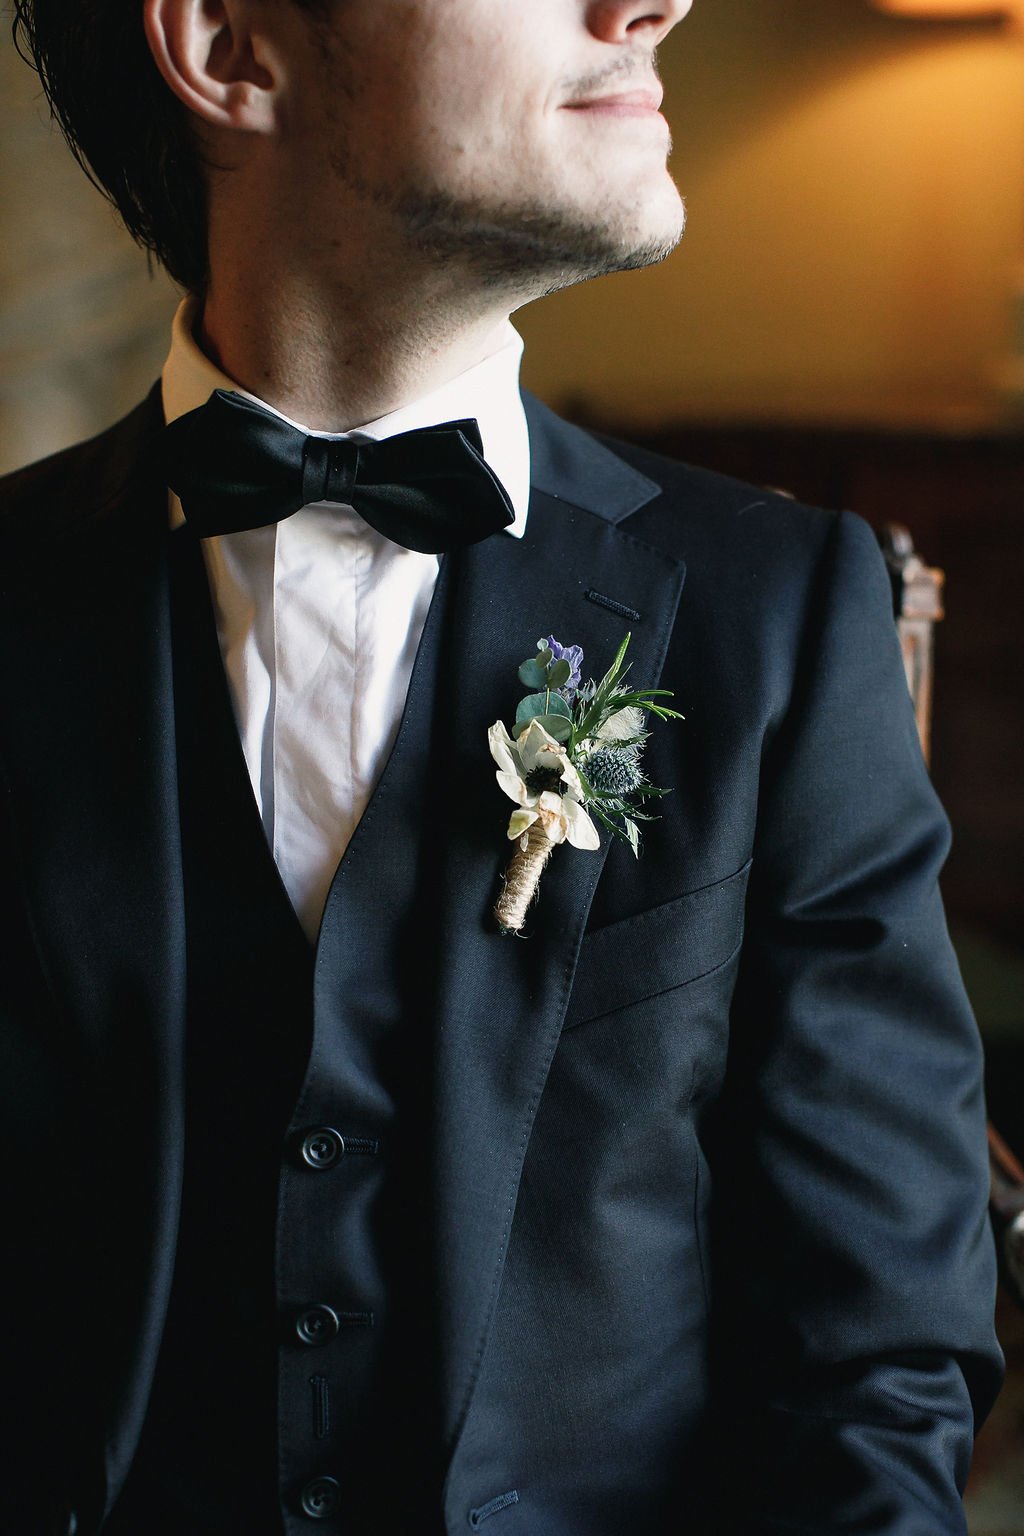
[
  {"x": 235, "y": 466},
  {"x": 329, "y": 470}
]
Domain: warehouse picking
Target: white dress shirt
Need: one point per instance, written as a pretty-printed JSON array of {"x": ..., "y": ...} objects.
[{"x": 320, "y": 617}]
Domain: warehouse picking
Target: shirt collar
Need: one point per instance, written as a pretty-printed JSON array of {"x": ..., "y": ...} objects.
[{"x": 489, "y": 392}]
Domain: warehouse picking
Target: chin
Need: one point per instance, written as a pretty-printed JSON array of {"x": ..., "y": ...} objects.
[
  {"x": 639, "y": 238},
  {"x": 616, "y": 233},
  {"x": 527, "y": 247}
]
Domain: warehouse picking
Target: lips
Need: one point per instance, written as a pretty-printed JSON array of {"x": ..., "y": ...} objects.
[
  {"x": 642, "y": 101},
  {"x": 637, "y": 101}
]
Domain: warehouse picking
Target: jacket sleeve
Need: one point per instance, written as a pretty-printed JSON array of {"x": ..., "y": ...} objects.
[{"x": 855, "y": 1270}]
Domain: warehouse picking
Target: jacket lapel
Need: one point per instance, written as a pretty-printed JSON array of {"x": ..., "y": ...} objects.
[
  {"x": 88, "y": 752},
  {"x": 500, "y": 1001}
]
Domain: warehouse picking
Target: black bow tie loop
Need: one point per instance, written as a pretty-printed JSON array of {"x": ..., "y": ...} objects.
[{"x": 234, "y": 466}]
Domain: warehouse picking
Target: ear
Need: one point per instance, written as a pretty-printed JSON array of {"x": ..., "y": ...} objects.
[{"x": 215, "y": 62}]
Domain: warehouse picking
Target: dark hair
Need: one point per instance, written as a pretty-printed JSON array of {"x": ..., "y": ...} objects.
[{"x": 124, "y": 125}]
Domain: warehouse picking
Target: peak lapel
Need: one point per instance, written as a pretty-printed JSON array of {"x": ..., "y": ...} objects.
[{"x": 500, "y": 1001}]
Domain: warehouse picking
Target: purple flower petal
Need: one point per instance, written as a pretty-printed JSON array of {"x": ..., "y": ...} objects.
[{"x": 573, "y": 654}]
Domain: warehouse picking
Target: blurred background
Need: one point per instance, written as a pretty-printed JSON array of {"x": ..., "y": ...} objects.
[{"x": 844, "y": 319}]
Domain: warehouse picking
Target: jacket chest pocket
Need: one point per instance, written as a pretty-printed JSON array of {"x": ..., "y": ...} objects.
[{"x": 656, "y": 951}]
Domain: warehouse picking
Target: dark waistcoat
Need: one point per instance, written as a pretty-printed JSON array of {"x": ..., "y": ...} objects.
[{"x": 294, "y": 1390}]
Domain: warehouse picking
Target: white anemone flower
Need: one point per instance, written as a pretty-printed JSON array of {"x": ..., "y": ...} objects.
[{"x": 531, "y": 770}]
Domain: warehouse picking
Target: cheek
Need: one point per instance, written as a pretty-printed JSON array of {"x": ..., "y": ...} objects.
[
  {"x": 409, "y": 104},
  {"x": 491, "y": 90}
]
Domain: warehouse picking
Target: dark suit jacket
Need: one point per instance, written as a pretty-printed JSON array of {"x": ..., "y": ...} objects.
[{"x": 707, "y": 1153}]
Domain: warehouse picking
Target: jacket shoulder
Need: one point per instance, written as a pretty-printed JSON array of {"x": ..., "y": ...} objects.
[
  {"x": 766, "y": 575},
  {"x": 701, "y": 509},
  {"x": 754, "y": 548},
  {"x": 53, "y": 496},
  {"x": 677, "y": 507}
]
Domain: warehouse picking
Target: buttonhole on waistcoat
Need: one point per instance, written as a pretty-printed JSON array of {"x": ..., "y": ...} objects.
[
  {"x": 485, "y": 1511},
  {"x": 356, "y": 1319},
  {"x": 321, "y": 1407},
  {"x": 622, "y": 609},
  {"x": 365, "y": 1146}
]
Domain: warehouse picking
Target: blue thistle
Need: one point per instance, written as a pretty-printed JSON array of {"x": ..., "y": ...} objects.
[{"x": 614, "y": 770}]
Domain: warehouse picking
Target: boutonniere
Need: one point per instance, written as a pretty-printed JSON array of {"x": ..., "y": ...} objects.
[{"x": 575, "y": 755}]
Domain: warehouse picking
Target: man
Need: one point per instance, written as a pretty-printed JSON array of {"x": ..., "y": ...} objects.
[{"x": 328, "y": 1203}]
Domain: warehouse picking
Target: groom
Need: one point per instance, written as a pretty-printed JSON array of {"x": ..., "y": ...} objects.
[{"x": 328, "y": 1205}]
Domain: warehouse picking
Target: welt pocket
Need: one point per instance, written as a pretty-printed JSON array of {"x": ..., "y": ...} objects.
[{"x": 659, "y": 949}]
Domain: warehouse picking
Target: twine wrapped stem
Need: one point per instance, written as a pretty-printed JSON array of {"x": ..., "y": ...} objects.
[{"x": 522, "y": 878}]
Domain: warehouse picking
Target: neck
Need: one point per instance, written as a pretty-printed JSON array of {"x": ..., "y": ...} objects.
[{"x": 336, "y": 350}]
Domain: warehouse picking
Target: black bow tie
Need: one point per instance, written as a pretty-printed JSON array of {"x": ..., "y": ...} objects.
[{"x": 235, "y": 465}]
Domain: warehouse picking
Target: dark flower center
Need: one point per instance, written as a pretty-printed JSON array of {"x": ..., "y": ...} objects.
[{"x": 540, "y": 779}]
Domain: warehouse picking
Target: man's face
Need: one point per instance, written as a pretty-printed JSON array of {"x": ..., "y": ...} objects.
[{"x": 518, "y": 138}]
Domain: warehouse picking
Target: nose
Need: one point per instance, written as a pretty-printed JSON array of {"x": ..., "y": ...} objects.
[{"x": 623, "y": 21}]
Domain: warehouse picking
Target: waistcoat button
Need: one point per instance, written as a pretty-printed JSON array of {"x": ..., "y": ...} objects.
[
  {"x": 321, "y": 1498},
  {"x": 317, "y": 1325},
  {"x": 322, "y": 1147}
]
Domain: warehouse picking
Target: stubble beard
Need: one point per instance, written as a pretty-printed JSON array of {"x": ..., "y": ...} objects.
[
  {"x": 526, "y": 250},
  {"x": 520, "y": 250}
]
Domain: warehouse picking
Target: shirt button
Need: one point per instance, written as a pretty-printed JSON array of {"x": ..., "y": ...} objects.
[
  {"x": 321, "y": 1498},
  {"x": 322, "y": 1147},
  {"x": 317, "y": 1325}
]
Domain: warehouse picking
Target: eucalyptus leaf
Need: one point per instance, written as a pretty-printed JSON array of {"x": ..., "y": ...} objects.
[
  {"x": 533, "y": 705},
  {"x": 536, "y": 705},
  {"x": 557, "y": 726},
  {"x": 559, "y": 673},
  {"x": 533, "y": 673}
]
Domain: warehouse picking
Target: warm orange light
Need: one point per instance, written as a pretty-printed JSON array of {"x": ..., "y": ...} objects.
[{"x": 947, "y": 10}]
